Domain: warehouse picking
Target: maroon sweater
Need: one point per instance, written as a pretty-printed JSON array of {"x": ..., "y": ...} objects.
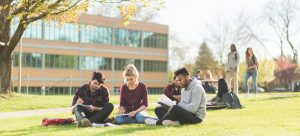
[
  {"x": 131, "y": 100},
  {"x": 171, "y": 90},
  {"x": 98, "y": 98}
]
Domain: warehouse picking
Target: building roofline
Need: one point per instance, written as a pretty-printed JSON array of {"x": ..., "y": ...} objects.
[{"x": 98, "y": 20}]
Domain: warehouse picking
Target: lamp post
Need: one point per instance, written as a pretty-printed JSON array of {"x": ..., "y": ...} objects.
[
  {"x": 27, "y": 86},
  {"x": 71, "y": 80},
  {"x": 20, "y": 66}
]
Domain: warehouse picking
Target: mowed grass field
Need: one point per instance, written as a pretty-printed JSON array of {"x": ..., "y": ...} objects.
[
  {"x": 31, "y": 102},
  {"x": 269, "y": 114}
]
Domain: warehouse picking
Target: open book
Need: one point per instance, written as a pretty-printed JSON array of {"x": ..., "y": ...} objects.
[
  {"x": 166, "y": 101},
  {"x": 85, "y": 106}
]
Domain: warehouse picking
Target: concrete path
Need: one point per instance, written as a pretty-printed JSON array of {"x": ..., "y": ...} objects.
[{"x": 27, "y": 113}]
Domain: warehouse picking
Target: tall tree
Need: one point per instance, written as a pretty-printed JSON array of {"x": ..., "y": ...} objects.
[
  {"x": 28, "y": 11},
  {"x": 225, "y": 32},
  {"x": 206, "y": 60},
  {"x": 282, "y": 15},
  {"x": 281, "y": 25}
]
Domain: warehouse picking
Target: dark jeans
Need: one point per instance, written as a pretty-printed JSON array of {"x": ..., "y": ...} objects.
[
  {"x": 176, "y": 113},
  {"x": 160, "y": 112},
  {"x": 96, "y": 116}
]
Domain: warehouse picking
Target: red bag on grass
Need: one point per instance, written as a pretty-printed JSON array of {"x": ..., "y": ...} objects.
[{"x": 57, "y": 121}]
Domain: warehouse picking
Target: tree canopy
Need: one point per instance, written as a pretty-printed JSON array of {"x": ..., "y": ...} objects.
[
  {"x": 206, "y": 60},
  {"x": 28, "y": 11}
]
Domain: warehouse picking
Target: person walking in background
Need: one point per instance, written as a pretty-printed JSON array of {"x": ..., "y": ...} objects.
[
  {"x": 252, "y": 66},
  {"x": 232, "y": 68},
  {"x": 91, "y": 102},
  {"x": 133, "y": 98}
]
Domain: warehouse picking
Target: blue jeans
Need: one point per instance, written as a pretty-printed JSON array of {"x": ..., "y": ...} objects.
[
  {"x": 254, "y": 82},
  {"x": 138, "y": 118}
]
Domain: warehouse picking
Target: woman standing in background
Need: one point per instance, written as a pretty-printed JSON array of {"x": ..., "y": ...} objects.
[{"x": 252, "y": 66}]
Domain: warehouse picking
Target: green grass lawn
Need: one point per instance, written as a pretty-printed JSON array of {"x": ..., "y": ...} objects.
[
  {"x": 271, "y": 114},
  {"x": 30, "y": 102}
]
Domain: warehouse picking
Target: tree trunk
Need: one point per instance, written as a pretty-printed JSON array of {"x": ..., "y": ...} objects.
[{"x": 5, "y": 74}]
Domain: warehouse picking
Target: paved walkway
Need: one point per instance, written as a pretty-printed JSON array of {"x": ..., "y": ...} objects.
[
  {"x": 27, "y": 113},
  {"x": 33, "y": 112}
]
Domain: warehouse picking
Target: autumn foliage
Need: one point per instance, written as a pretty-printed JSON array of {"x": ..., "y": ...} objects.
[{"x": 285, "y": 71}]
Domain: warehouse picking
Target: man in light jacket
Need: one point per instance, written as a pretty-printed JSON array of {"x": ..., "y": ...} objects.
[
  {"x": 232, "y": 68},
  {"x": 192, "y": 107}
]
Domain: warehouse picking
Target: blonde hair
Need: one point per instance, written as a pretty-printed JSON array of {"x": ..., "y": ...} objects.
[
  {"x": 130, "y": 70},
  {"x": 208, "y": 75}
]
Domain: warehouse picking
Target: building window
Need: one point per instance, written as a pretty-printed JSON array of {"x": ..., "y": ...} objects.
[
  {"x": 34, "y": 30},
  {"x": 61, "y": 90},
  {"x": 155, "y": 66},
  {"x": 116, "y": 91},
  {"x": 96, "y": 34},
  {"x": 129, "y": 38},
  {"x": 61, "y": 61},
  {"x": 65, "y": 32},
  {"x": 93, "y": 34},
  {"x": 95, "y": 63},
  {"x": 33, "y": 60},
  {"x": 120, "y": 64},
  {"x": 155, "y": 40},
  {"x": 49, "y": 91},
  {"x": 155, "y": 90}
]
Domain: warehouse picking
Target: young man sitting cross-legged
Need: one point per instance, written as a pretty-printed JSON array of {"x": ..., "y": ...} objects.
[
  {"x": 192, "y": 107},
  {"x": 91, "y": 102}
]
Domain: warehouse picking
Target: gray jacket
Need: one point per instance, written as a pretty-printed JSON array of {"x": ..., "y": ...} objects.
[{"x": 193, "y": 99}]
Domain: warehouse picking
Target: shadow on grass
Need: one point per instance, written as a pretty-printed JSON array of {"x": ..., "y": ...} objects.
[
  {"x": 40, "y": 130},
  {"x": 37, "y": 130},
  {"x": 276, "y": 98},
  {"x": 127, "y": 130},
  {"x": 217, "y": 110}
]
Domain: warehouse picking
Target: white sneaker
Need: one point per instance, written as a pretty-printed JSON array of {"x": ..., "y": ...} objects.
[
  {"x": 98, "y": 125},
  {"x": 111, "y": 124},
  {"x": 170, "y": 123},
  {"x": 150, "y": 121},
  {"x": 85, "y": 123}
]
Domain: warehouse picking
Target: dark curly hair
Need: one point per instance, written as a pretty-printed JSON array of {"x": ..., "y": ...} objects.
[
  {"x": 98, "y": 76},
  {"x": 181, "y": 71}
]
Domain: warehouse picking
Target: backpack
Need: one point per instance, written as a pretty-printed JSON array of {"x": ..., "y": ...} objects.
[
  {"x": 57, "y": 121},
  {"x": 232, "y": 101}
]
